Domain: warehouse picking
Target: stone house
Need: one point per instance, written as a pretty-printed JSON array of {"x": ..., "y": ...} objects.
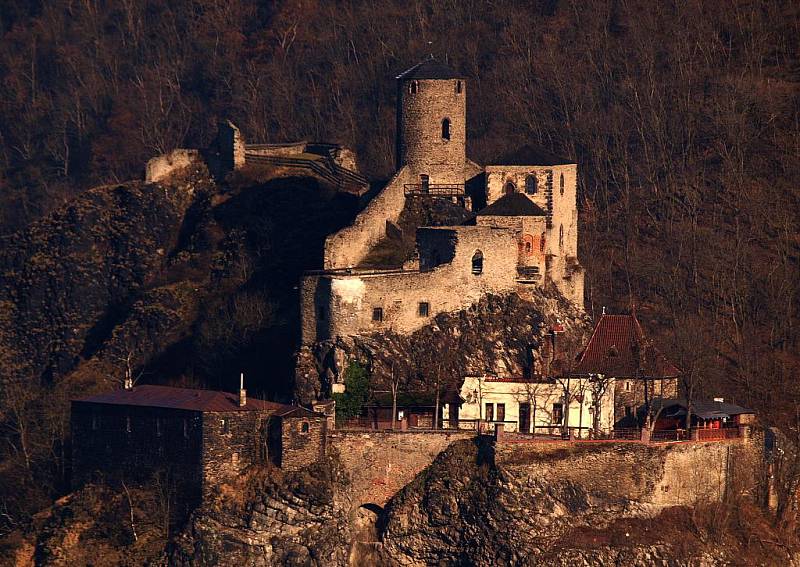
[
  {"x": 536, "y": 405},
  {"x": 619, "y": 351},
  {"x": 524, "y": 236},
  {"x": 198, "y": 437}
]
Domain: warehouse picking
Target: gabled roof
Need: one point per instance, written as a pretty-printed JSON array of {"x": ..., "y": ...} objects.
[
  {"x": 619, "y": 348},
  {"x": 512, "y": 205},
  {"x": 430, "y": 68},
  {"x": 531, "y": 155},
  {"x": 676, "y": 407},
  {"x": 181, "y": 398},
  {"x": 298, "y": 411}
]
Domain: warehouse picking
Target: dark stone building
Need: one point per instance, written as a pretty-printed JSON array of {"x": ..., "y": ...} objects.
[{"x": 199, "y": 438}]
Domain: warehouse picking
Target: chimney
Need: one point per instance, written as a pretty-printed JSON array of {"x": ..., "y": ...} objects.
[{"x": 242, "y": 391}]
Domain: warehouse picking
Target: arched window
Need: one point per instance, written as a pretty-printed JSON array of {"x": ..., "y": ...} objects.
[
  {"x": 527, "y": 248},
  {"x": 412, "y": 87},
  {"x": 561, "y": 236},
  {"x": 477, "y": 263},
  {"x": 458, "y": 87},
  {"x": 530, "y": 185},
  {"x": 446, "y": 129},
  {"x": 561, "y": 184},
  {"x": 509, "y": 188}
]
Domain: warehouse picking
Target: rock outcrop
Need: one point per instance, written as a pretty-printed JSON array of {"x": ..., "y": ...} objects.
[{"x": 503, "y": 333}]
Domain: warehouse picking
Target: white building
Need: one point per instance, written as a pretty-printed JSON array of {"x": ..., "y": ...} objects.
[{"x": 524, "y": 404}]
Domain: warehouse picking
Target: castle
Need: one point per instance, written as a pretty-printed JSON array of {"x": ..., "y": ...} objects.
[{"x": 526, "y": 237}]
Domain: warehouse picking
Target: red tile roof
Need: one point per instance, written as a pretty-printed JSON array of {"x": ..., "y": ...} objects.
[
  {"x": 619, "y": 348},
  {"x": 182, "y": 398}
]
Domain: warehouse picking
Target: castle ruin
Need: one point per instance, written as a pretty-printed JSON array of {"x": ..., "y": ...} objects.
[{"x": 526, "y": 237}]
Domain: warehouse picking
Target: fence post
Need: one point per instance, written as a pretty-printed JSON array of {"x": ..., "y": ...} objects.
[
  {"x": 645, "y": 435},
  {"x": 498, "y": 431},
  {"x": 694, "y": 434}
]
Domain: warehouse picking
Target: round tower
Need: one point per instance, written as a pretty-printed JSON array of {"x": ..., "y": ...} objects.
[{"x": 432, "y": 122}]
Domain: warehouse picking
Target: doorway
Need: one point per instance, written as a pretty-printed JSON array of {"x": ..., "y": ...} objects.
[
  {"x": 425, "y": 182},
  {"x": 524, "y": 417}
]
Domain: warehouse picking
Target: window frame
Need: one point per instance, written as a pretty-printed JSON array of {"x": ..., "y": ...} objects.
[
  {"x": 423, "y": 309},
  {"x": 558, "y": 411},
  {"x": 377, "y": 314},
  {"x": 477, "y": 263},
  {"x": 447, "y": 129},
  {"x": 531, "y": 182}
]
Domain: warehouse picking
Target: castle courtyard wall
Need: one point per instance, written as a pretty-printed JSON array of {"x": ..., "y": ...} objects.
[
  {"x": 349, "y": 246},
  {"x": 334, "y": 304},
  {"x": 300, "y": 448}
]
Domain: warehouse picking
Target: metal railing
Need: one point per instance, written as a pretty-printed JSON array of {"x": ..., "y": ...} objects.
[{"x": 434, "y": 189}]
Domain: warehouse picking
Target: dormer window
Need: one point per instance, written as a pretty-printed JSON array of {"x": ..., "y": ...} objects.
[
  {"x": 413, "y": 86},
  {"x": 446, "y": 129}
]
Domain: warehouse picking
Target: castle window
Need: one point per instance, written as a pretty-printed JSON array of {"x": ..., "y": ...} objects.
[
  {"x": 458, "y": 87},
  {"x": 377, "y": 314},
  {"x": 530, "y": 185},
  {"x": 561, "y": 184},
  {"x": 527, "y": 248},
  {"x": 424, "y": 308},
  {"x": 558, "y": 414},
  {"x": 541, "y": 243},
  {"x": 446, "y": 129},
  {"x": 412, "y": 87},
  {"x": 304, "y": 427},
  {"x": 501, "y": 412},
  {"x": 561, "y": 236},
  {"x": 477, "y": 263},
  {"x": 509, "y": 188},
  {"x": 226, "y": 428},
  {"x": 489, "y": 412},
  {"x": 627, "y": 386}
]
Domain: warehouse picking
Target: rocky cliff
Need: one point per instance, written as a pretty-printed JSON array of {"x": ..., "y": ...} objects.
[{"x": 507, "y": 334}]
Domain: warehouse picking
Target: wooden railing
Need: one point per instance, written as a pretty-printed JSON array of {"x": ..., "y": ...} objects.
[
  {"x": 434, "y": 189},
  {"x": 718, "y": 434}
]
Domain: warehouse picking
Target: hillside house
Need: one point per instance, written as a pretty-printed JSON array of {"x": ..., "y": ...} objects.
[
  {"x": 619, "y": 352},
  {"x": 199, "y": 437},
  {"x": 537, "y": 405}
]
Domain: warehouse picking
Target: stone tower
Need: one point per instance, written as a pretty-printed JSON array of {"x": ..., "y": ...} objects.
[{"x": 432, "y": 122}]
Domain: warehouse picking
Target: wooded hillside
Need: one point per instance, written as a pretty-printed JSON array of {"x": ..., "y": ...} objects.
[{"x": 684, "y": 118}]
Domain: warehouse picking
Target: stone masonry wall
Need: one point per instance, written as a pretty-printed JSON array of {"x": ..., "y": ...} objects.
[
  {"x": 652, "y": 475},
  {"x": 379, "y": 463},
  {"x": 420, "y": 143},
  {"x": 232, "y": 441},
  {"x": 299, "y": 448},
  {"x": 133, "y": 443},
  {"x": 161, "y": 167},
  {"x": 343, "y": 305},
  {"x": 349, "y": 246},
  {"x": 629, "y": 392},
  {"x": 561, "y": 238}
]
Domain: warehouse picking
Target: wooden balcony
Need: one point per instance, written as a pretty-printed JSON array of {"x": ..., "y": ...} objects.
[{"x": 434, "y": 189}]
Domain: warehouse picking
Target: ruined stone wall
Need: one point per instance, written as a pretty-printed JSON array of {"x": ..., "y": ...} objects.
[
  {"x": 163, "y": 166},
  {"x": 232, "y": 441},
  {"x": 420, "y": 144},
  {"x": 344, "y": 304},
  {"x": 301, "y": 448},
  {"x": 349, "y": 246},
  {"x": 133, "y": 443},
  {"x": 379, "y": 463},
  {"x": 557, "y": 196}
]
